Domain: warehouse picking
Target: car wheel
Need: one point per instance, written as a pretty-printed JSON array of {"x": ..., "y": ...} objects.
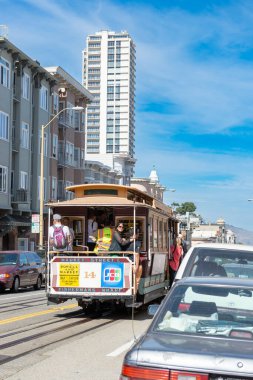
[
  {"x": 38, "y": 284},
  {"x": 15, "y": 285}
]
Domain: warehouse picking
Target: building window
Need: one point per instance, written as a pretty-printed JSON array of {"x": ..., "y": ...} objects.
[
  {"x": 82, "y": 158},
  {"x": 23, "y": 184},
  {"x": 69, "y": 155},
  {"x": 23, "y": 245},
  {"x": 45, "y": 188},
  {"x": 45, "y": 143},
  {"x": 54, "y": 188},
  {"x": 44, "y": 98},
  {"x": 55, "y": 146},
  {"x": 4, "y": 73},
  {"x": 77, "y": 157},
  {"x": 91, "y": 149},
  {"x": 25, "y": 135},
  {"x": 4, "y": 126},
  {"x": 109, "y": 149},
  {"x": 69, "y": 194},
  {"x": 56, "y": 102},
  {"x": 3, "y": 179},
  {"x": 110, "y": 89},
  {"x": 26, "y": 86}
]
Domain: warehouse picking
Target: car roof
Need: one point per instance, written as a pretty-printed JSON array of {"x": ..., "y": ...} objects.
[
  {"x": 240, "y": 247},
  {"x": 222, "y": 281}
]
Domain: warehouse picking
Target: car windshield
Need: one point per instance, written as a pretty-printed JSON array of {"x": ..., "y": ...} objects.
[
  {"x": 208, "y": 310},
  {"x": 8, "y": 258},
  {"x": 221, "y": 262}
]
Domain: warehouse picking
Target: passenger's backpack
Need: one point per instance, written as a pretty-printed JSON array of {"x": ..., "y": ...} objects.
[{"x": 59, "y": 238}]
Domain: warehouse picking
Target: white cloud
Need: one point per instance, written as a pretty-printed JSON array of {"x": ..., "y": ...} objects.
[{"x": 211, "y": 93}]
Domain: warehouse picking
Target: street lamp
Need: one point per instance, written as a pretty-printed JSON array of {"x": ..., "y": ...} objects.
[{"x": 43, "y": 127}]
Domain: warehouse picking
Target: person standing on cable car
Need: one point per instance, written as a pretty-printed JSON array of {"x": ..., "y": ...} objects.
[{"x": 176, "y": 251}]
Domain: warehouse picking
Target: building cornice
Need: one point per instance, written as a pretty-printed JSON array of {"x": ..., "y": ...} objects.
[
  {"x": 66, "y": 80},
  {"x": 24, "y": 60}
]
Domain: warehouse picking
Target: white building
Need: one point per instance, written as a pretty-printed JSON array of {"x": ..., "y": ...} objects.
[
  {"x": 150, "y": 185},
  {"x": 109, "y": 74}
]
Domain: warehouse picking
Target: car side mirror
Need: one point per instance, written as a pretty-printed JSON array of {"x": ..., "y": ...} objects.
[{"x": 152, "y": 309}]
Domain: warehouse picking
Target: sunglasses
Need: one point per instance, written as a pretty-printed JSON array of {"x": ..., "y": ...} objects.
[{"x": 120, "y": 226}]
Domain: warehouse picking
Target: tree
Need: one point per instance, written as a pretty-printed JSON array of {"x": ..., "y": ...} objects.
[{"x": 185, "y": 207}]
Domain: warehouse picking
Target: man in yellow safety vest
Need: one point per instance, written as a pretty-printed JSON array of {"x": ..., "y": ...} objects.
[{"x": 104, "y": 239}]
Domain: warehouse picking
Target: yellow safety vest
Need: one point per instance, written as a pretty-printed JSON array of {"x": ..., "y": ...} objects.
[{"x": 104, "y": 239}]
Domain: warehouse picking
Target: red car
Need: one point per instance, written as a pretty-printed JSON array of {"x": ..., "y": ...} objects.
[{"x": 20, "y": 269}]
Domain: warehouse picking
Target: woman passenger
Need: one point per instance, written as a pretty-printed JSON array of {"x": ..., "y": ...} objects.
[
  {"x": 119, "y": 243},
  {"x": 176, "y": 251}
]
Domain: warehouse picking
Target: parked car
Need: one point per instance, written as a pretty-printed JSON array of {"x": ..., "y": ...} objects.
[
  {"x": 203, "y": 330},
  {"x": 211, "y": 259},
  {"x": 20, "y": 269}
]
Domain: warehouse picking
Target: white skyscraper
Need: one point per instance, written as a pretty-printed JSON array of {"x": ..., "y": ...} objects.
[{"x": 109, "y": 74}]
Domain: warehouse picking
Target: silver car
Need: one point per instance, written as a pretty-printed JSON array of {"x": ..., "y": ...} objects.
[
  {"x": 211, "y": 259},
  {"x": 203, "y": 330}
]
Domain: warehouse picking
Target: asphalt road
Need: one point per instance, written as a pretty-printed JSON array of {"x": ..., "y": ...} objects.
[{"x": 61, "y": 342}]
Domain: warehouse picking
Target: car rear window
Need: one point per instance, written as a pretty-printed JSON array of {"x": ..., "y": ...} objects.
[
  {"x": 33, "y": 258},
  {"x": 220, "y": 262},
  {"x": 208, "y": 310},
  {"x": 8, "y": 258}
]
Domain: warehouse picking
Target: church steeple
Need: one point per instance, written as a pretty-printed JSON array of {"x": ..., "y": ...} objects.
[{"x": 153, "y": 176}]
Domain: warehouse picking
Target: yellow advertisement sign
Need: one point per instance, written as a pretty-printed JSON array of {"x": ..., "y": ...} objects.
[{"x": 69, "y": 274}]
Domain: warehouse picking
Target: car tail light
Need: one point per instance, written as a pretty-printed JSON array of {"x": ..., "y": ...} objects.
[
  {"x": 5, "y": 275},
  {"x": 241, "y": 334},
  {"x": 143, "y": 373},
  {"x": 178, "y": 375}
]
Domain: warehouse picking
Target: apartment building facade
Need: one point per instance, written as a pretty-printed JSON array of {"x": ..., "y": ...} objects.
[
  {"x": 30, "y": 96},
  {"x": 109, "y": 74}
]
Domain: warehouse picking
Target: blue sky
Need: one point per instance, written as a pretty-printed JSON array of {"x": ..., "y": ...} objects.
[{"x": 194, "y": 100}]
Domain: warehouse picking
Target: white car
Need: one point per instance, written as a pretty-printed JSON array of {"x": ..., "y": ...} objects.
[{"x": 213, "y": 259}]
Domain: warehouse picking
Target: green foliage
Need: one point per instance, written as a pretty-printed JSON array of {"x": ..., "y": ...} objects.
[{"x": 185, "y": 207}]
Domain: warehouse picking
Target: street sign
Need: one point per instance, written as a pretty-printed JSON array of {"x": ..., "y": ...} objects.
[{"x": 35, "y": 223}]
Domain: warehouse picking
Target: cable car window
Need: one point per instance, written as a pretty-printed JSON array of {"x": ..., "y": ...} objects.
[
  {"x": 155, "y": 232},
  {"x": 151, "y": 232},
  {"x": 160, "y": 233},
  {"x": 101, "y": 192},
  {"x": 165, "y": 229}
]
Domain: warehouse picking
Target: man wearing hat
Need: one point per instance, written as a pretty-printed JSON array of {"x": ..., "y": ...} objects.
[{"x": 59, "y": 233}]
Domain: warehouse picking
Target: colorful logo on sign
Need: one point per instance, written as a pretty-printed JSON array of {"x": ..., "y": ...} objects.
[{"x": 112, "y": 275}]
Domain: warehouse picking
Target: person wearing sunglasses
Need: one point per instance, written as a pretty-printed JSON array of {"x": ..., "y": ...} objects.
[{"x": 119, "y": 243}]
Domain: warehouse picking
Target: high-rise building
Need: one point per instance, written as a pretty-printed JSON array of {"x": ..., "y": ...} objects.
[{"x": 109, "y": 74}]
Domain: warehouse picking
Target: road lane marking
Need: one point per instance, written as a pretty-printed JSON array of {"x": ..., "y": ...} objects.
[
  {"x": 122, "y": 348},
  {"x": 39, "y": 313},
  {"x": 27, "y": 295}
]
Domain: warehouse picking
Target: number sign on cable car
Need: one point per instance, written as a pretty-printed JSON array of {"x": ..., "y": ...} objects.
[{"x": 91, "y": 275}]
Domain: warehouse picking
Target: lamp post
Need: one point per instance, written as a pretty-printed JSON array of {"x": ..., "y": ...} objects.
[{"x": 43, "y": 127}]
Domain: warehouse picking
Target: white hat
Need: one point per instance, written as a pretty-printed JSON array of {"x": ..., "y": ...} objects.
[{"x": 56, "y": 217}]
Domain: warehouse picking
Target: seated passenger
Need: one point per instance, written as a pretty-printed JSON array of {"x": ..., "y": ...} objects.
[{"x": 118, "y": 241}]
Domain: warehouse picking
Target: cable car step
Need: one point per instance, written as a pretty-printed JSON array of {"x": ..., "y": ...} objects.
[{"x": 134, "y": 304}]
